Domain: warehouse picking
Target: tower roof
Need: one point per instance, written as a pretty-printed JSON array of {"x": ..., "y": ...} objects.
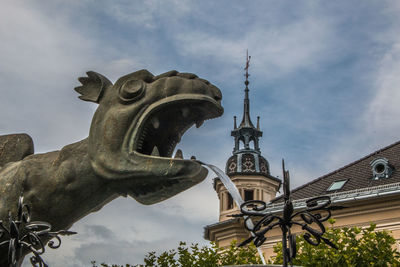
[
  {"x": 246, "y": 156},
  {"x": 246, "y": 132}
]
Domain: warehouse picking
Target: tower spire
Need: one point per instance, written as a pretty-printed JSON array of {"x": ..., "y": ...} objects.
[
  {"x": 246, "y": 121},
  {"x": 246, "y": 133}
]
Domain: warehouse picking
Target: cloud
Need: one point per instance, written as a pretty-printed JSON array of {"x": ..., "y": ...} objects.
[
  {"x": 101, "y": 252},
  {"x": 38, "y": 72},
  {"x": 383, "y": 111},
  {"x": 100, "y": 231},
  {"x": 375, "y": 122},
  {"x": 149, "y": 14},
  {"x": 124, "y": 231},
  {"x": 36, "y": 47},
  {"x": 278, "y": 50}
]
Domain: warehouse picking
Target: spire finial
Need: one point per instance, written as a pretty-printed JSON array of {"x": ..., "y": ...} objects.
[
  {"x": 247, "y": 68},
  {"x": 246, "y": 112}
]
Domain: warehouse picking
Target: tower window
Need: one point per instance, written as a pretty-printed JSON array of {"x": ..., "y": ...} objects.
[
  {"x": 241, "y": 144},
  {"x": 248, "y": 195},
  {"x": 230, "y": 202},
  {"x": 251, "y": 144}
]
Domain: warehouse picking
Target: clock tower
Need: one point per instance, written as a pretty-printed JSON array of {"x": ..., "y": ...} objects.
[{"x": 248, "y": 170}]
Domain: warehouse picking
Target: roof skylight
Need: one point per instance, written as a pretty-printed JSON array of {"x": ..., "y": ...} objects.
[{"x": 336, "y": 185}]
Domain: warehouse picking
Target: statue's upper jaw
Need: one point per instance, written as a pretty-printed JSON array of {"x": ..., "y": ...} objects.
[{"x": 162, "y": 124}]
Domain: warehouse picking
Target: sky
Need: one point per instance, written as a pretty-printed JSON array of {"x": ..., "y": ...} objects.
[{"x": 324, "y": 80}]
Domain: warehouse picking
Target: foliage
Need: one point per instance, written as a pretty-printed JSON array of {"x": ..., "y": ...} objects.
[
  {"x": 194, "y": 256},
  {"x": 356, "y": 247}
]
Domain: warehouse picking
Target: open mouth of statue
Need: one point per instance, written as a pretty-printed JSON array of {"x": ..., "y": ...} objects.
[{"x": 164, "y": 125}]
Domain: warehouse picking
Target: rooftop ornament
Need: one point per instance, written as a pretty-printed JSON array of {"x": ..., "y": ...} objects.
[
  {"x": 22, "y": 234},
  {"x": 318, "y": 210}
]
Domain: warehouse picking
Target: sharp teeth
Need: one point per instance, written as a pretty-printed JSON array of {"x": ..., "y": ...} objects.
[
  {"x": 178, "y": 154},
  {"x": 199, "y": 123},
  {"x": 156, "y": 122},
  {"x": 155, "y": 152},
  {"x": 185, "y": 112},
  {"x": 178, "y": 137}
]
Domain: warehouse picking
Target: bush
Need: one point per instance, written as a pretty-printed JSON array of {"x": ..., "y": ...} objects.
[
  {"x": 356, "y": 247},
  {"x": 194, "y": 256}
]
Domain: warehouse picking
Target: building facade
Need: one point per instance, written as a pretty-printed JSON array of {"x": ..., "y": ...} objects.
[{"x": 369, "y": 188}]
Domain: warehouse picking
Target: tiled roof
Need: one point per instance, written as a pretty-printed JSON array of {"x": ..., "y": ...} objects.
[{"x": 358, "y": 173}]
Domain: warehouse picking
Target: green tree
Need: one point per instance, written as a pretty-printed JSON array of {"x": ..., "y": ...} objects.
[
  {"x": 356, "y": 247},
  {"x": 195, "y": 256}
]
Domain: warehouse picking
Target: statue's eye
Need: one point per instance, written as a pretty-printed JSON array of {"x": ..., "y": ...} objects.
[{"x": 132, "y": 90}]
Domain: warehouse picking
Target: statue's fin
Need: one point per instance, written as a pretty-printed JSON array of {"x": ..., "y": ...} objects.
[
  {"x": 93, "y": 86},
  {"x": 15, "y": 147}
]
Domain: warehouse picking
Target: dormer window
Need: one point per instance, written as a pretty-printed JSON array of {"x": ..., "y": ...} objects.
[
  {"x": 337, "y": 185},
  {"x": 381, "y": 168}
]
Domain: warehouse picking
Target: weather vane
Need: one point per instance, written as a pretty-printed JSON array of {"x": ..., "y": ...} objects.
[{"x": 247, "y": 64}]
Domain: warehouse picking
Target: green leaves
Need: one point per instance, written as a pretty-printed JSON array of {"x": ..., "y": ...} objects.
[
  {"x": 194, "y": 256},
  {"x": 356, "y": 247},
  {"x": 206, "y": 256}
]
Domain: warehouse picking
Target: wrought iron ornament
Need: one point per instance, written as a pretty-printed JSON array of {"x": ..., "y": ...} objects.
[
  {"x": 22, "y": 235},
  {"x": 317, "y": 211}
]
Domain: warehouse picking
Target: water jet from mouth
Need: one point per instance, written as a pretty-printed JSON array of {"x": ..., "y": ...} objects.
[{"x": 232, "y": 189}]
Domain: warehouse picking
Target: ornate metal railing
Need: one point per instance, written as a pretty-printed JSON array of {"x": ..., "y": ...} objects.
[
  {"x": 23, "y": 236},
  {"x": 310, "y": 219}
]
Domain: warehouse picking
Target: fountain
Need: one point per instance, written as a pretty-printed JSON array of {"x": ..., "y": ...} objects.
[{"x": 231, "y": 187}]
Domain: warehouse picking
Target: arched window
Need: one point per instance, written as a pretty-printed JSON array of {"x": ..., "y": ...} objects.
[
  {"x": 241, "y": 143},
  {"x": 248, "y": 195},
  {"x": 252, "y": 144},
  {"x": 229, "y": 202}
]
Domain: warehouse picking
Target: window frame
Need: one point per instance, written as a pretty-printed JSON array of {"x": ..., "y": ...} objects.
[{"x": 343, "y": 182}]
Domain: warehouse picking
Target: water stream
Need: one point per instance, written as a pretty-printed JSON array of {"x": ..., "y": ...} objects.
[{"x": 232, "y": 189}]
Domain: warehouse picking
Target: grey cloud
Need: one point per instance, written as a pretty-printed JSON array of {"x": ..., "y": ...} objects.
[
  {"x": 148, "y": 14},
  {"x": 278, "y": 52},
  {"x": 101, "y": 231},
  {"x": 118, "y": 252},
  {"x": 40, "y": 59},
  {"x": 383, "y": 110},
  {"x": 128, "y": 231}
]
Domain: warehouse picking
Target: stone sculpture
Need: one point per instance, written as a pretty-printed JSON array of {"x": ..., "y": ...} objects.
[{"x": 133, "y": 134}]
